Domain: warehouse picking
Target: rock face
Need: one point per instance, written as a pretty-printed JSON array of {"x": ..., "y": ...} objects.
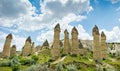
[
  {"x": 61, "y": 44},
  {"x": 74, "y": 48},
  {"x": 103, "y": 46},
  {"x": 99, "y": 44},
  {"x": 96, "y": 45},
  {"x": 55, "y": 51},
  {"x": 80, "y": 44},
  {"x": 32, "y": 48},
  {"x": 13, "y": 51},
  {"x": 6, "y": 48},
  {"x": 26, "y": 50},
  {"x": 66, "y": 49},
  {"x": 45, "y": 44}
]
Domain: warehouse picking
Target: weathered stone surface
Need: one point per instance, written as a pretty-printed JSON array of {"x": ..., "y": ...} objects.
[
  {"x": 96, "y": 44},
  {"x": 74, "y": 48},
  {"x": 66, "y": 49},
  {"x": 55, "y": 51},
  {"x": 61, "y": 43},
  {"x": 26, "y": 50},
  {"x": 38, "y": 48},
  {"x": 103, "y": 46},
  {"x": 13, "y": 51},
  {"x": 45, "y": 44},
  {"x": 32, "y": 48},
  {"x": 6, "y": 48},
  {"x": 80, "y": 44}
]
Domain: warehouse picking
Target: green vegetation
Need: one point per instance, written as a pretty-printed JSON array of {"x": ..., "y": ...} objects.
[
  {"x": 5, "y": 69},
  {"x": 15, "y": 64},
  {"x": 71, "y": 67},
  {"x": 116, "y": 65},
  {"x": 43, "y": 62}
]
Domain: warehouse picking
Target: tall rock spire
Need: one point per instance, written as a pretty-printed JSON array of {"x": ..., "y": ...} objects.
[
  {"x": 103, "y": 46},
  {"x": 6, "y": 48},
  {"x": 96, "y": 44},
  {"x": 55, "y": 51},
  {"x": 66, "y": 49},
  {"x": 74, "y": 47}
]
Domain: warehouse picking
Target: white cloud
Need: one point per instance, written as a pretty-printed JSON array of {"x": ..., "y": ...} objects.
[
  {"x": 83, "y": 34},
  {"x": 23, "y": 14},
  {"x": 119, "y": 19},
  {"x": 64, "y": 24},
  {"x": 118, "y": 9},
  {"x": 17, "y": 40},
  {"x": 52, "y": 11},
  {"x": 46, "y": 35},
  {"x": 12, "y": 11},
  {"x": 114, "y": 35},
  {"x": 115, "y": 1},
  {"x": 2, "y": 40}
]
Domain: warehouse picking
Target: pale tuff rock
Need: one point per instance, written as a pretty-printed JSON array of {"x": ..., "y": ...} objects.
[
  {"x": 6, "y": 48},
  {"x": 66, "y": 49},
  {"x": 96, "y": 45},
  {"x": 55, "y": 51},
  {"x": 32, "y": 48},
  {"x": 13, "y": 51},
  {"x": 74, "y": 48},
  {"x": 103, "y": 46},
  {"x": 61, "y": 43},
  {"x": 99, "y": 45},
  {"x": 80, "y": 44},
  {"x": 45, "y": 44},
  {"x": 26, "y": 50}
]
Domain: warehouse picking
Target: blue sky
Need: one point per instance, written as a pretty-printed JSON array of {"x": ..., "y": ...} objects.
[{"x": 37, "y": 18}]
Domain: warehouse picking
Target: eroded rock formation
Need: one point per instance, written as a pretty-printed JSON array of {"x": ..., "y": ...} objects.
[
  {"x": 26, "y": 50},
  {"x": 13, "y": 51},
  {"x": 55, "y": 51},
  {"x": 66, "y": 49},
  {"x": 6, "y": 48}
]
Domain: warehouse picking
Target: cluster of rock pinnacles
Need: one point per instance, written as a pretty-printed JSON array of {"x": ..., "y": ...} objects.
[{"x": 75, "y": 47}]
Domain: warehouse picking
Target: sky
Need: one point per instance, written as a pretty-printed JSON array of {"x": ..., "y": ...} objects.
[{"x": 37, "y": 18}]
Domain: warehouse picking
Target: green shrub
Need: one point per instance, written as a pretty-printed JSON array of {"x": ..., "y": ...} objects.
[
  {"x": 59, "y": 67},
  {"x": 5, "y": 64},
  {"x": 15, "y": 64},
  {"x": 71, "y": 67},
  {"x": 38, "y": 68},
  {"x": 35, "y": 57},
  {"x": 26, "y": 61},
  {"x": 73, "y": 55}
]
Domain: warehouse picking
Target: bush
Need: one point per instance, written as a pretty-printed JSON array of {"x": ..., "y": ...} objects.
[
  {"x": 59, "y": 67},
  {"x": 38, "y": 68},
  {"x": 15, "y": 64},
  {"x": 5, "y": 64},
  {"x": 35, "y": 57},
  {"x": 25, "y": 61},
  {"x": 71, "y": 67},
  {"x": 74, "y": 55}
]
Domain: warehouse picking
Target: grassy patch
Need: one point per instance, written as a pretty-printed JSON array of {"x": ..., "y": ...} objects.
[
  {"x": 5, "y": 69},
  {"x": 115, "y": 65}
]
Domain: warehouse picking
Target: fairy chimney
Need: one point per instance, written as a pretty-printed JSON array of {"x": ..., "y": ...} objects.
[
  {"x": 32, "y": 48},
  {"x": 55, "y": 51},
  {"x": 13, "y": 51},
  {"x": 26, "y": 50},
  {"x": 74, "y": 48},
  {"x": 66, "y": 49},
  {"x": 103, "y": 46},
  {"x": 6, "y": 48},
  {"x": 96, "y": 45},
  {"x": 45, "y": 44}
]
